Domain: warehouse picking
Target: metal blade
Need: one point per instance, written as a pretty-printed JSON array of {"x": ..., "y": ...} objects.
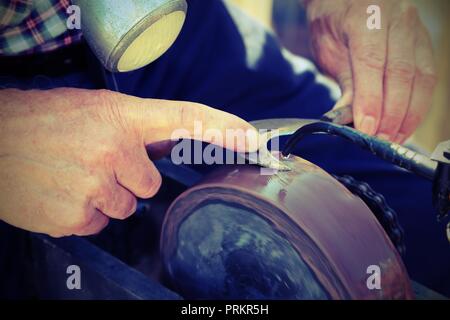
[
  {"x": 282, "y": 126},
  {"x": 269, "y": 129}
]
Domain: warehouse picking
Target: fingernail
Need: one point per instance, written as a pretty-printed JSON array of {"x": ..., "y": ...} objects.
[
  {"x": 339, "y": 115},
  {"x": 368, "y": 125}
]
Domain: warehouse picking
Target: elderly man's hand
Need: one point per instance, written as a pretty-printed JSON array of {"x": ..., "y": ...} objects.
[
  {"x": 387, "y": 74},
  {"x": 70, "y": 159}
]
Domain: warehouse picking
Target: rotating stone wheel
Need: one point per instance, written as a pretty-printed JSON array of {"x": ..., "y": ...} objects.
[{"x": 292, "y": 235}]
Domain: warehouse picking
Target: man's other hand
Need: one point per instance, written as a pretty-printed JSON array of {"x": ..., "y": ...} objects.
[{"x": 387, "y": 74}]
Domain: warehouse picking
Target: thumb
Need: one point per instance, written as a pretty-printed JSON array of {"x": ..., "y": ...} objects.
[{"x": 162, "y": 120}]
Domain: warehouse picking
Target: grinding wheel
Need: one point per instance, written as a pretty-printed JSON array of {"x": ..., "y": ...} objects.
[{"x": 292, "y": 235}]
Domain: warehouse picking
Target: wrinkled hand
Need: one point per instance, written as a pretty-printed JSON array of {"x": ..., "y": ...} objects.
[
  {"x": 388, "y": 74},
  {"x": 70, "y": 159}
]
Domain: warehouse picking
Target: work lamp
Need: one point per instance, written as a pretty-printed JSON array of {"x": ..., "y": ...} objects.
[{"x": 126, "y": 35}]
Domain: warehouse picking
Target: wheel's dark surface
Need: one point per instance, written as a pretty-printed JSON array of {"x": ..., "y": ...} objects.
[
  {"x": 292, "y": 235},
  {"x": 227, "y": 246}
]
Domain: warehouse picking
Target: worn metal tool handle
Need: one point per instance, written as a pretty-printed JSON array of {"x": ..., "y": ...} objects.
[
  {"x": 392, "y": 152},
  {"x": 439, "y": 172}
]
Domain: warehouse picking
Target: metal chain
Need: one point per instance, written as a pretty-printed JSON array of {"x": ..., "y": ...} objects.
[{"x": 386, "y": 215}]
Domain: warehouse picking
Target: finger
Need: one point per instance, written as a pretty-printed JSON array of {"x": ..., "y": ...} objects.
[
  {"x": 341, "y": 115},
  {"x": 98, "y": 222},
  {"x": 160, "y": 120},
  {"x": 333, "y": 57},
  {"x": 424, "y": 83},
  {"x": 368, "y": 57},
  {"x": 115, "y": 201},
  {"x": 399, "y": 72},
  {"x": 137, "y": 173}
]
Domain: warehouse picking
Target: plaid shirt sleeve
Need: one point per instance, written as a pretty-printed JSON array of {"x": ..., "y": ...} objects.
[
  {"x": 13, "y": 12},
  {"x": 28, "y": 26}
]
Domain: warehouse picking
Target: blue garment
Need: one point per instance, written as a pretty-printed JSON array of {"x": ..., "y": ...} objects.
[{"x": 235, "y": 65}]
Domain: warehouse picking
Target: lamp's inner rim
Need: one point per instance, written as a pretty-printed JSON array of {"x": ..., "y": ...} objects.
[{"x": 148, "y": 44}]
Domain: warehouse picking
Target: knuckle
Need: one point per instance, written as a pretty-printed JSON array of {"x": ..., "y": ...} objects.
[
  {"x": 369, "y": 104},
  {"x": 104, "y": 97},
  {"x": 103, "y": 199},
  {"x": 370, "y": 55},
  {"x": 407, "y": 8},
  {"x": 110, "y": 108},
  {"x": 391, "y": 122},
  {"x": 427, "y": 76},
  {"x": 405, "y": 18},
  {"x": 102, "y": 203},
  {"x": 412, "y": 13},
  {"x": 119, "y": 205},
  {"x": 130, "y": 207},
  {"x": 154, "y": 186},
  {"x": 105, "y": 100},
  {"x": 123, "y": 207},
  {"x": 400, "y": 70}
]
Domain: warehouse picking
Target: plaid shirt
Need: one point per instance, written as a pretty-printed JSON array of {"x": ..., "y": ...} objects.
[{"x": 32, "y": 26}]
